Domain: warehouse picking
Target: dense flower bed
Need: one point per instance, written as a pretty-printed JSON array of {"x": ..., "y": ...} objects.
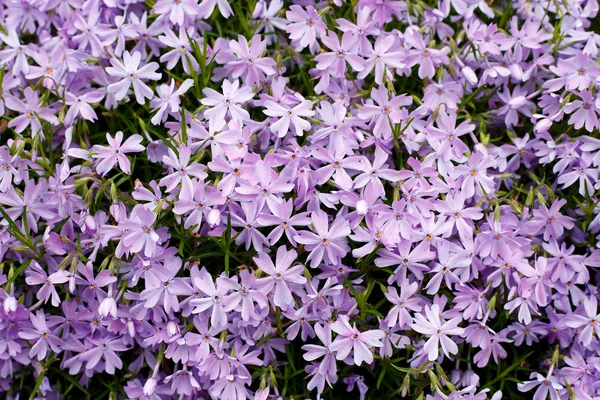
[{"x": 268, "y": 199}]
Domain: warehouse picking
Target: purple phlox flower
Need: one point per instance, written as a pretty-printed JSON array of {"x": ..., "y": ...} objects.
[
  {"x": 444, "y": 269},
  {"x": 183, "y": 382},
  {"x": 131, "y": 73},
  {"x": 417, "y": 175},
  {"x": 80, "y": 106},
  {"x": 591, "y": 145},
  {"x": 588, "y": 323},
  {"x": 341, "y": 52},
  {"x": 447, "y": 93},
  {"x": 576, "y": 73},
  {"x": 458, "y": 215},
  {"x": 392, "y": 340},
  {"x": 489, "y": 40},
  {"x": 359, "y": 382},
  {"x": 148, "y": 35},
  {"x": 139, "y": 233},
  {"x": 153, "y": 198},
  {"x": 8, "y": 170},
  {"x": 580, "y": 370},
  {"x": 530, "y": 36},
  {"x": 14, "y": 51},
  {"x": 182, "y": 172},
  {"x": 249, "y": 63},
  {"x": 551, "y": 220},
  {"x": 120, "y": 34},
  {"x": 583, "y": 172},
  {"x": 400, "y": 216},
  {"x": 586, "y": 112},
  {"x": 301, "y": 320},
  {"x": 208, "y": 6},
  {"x": 115, "y": 152},
  {"x": 404, "y": 303},
  {"x": 492, "y": 347},
  {"x": 229, "y": 103},
  {"x": 474, "y": 174},
  {"x": 381, "y": 12},
  {"x": 434, "y": 18},
  {"x": 215, "y": 295},
  {"x": 558, "y": 330},
  {"x": 321, "y": 302},
  {"x": 384, "y": 112},
  {"x": 31, "y": 113},
  {"x": 244, "y": 294},
  {"x": 507, "y": 267},
  {"x": 282, "y": 275},
  {"x": 327, "y": 366},
  {"x": 521, "y": 152},
  {"x": 246, "y": 217},
  {"x": 428, "y": 59},
  {"x": 41, "y": 335},
  {"x": 204, "y": 340},
  {"x": 407, "y": 259},
  {"x": 372, "y": 174},
  {"x": 329, "y": 242},
  {"x": 433, "y": 230},
  {"x": 163, "y": 287},
  {"x": 350, "y": 338},
  {"x": 545, "y": 386},
  {"x": 565, "y": 266},
  {"x": 364, "y": 27},
  {"x": 281, "y": 217},
  {"x": 35, "y": 275},
  {"x": 445, "y": 138},
  {"x": 336, "y": 162},
  {"x": 267, "y": 16},
  {"x": 182, "y": 50},
  {"x": 29, "y": 205},
  {"x": 50, "y": 68},
  {"x": 91, "y": 33},
  {"x": 102, "y": 352},
  {"x": 289, "y": 116},
  {"x": 498, "y": 240},
  {"x": 269, "y": 188},
  {"x": 526, "y": 306},
  {"x": 178, "y": 10},
  {"x": 304, "y": 25},
  {"x": 438, "y": 330},
  {"x": 72, "y": 323},
  {"x": 514, "y": 103},
  {"x": 471, "y": 301},
  {"x": 336, "y": 123},
  {"x": 230, "y": 387},
  {"x": 204, "y": 199},
  {"x": 93, "y": 284},
  {"x": 377, "y": 232}
]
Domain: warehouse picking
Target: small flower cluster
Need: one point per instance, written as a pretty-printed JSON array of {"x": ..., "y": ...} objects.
[{"x": 276, "y": 199}]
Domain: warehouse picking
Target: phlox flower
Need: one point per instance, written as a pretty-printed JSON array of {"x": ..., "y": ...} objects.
[
  {"x": 131, "y": 73},
  {"x": 438, "y": 330},
  {"x": 115, "y": 152}
]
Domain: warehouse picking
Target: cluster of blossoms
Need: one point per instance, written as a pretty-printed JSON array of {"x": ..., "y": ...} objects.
[{"x": 270, "y": 200}]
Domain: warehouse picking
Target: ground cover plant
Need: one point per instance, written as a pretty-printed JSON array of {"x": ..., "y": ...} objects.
[{"x": 268, "y": 199}]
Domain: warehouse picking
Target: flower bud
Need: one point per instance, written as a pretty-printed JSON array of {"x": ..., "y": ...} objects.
[
  {"x": 108, "y": 307},
  {"x": 469, "y": 75},
  {"x": 172, "y": 328},
  {"x": 150, "y": 387},
  {"x": 10, "y": 304},
  {"x": 214, "y": 217},
  {"x": 118, "y": 211},
  {"x": 362, "y": 207}
]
